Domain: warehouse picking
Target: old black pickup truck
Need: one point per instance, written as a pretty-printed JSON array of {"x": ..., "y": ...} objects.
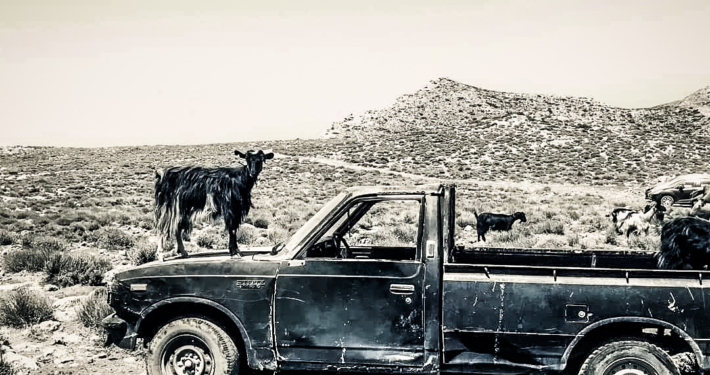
[{"x": 347, "y": 294}]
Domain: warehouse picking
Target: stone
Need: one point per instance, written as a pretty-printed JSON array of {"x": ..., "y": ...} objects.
[
  {"x": 65, "y": 303},
  {"x": 49, "y": 326},
  {"x": 65, "y": 359},
  {"x": 51, "y": 287},
  {"x": 20, "y": 361}
]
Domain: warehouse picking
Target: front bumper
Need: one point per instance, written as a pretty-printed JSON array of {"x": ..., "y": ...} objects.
[{"x": 119, "y": 332}]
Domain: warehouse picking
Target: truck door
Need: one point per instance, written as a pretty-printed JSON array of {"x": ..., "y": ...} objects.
[{"x": 355, "y": 293}]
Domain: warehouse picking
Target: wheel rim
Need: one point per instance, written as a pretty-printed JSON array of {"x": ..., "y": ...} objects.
[
  {"x": 187, "y": 355},
  {"x": 667, "y": 201},
  {"x": 631, "y": 366}
]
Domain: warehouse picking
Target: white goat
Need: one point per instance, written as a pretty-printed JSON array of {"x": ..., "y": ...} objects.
[{"x": 636, "y": 222}]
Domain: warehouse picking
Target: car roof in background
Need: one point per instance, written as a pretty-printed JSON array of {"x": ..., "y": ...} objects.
[{"x": 694, "y": 176}]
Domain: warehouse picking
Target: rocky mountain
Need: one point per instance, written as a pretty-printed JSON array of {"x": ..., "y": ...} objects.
[
  {"x": 452, "y": 130},
  {"x": 699, "y": 100}
]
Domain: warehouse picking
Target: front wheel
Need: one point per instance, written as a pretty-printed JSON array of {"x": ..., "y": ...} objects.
[
  {"x": 629, "y": 357},
  {"x": 667, "y": 201},
  {"x": 192, "y": 346}
]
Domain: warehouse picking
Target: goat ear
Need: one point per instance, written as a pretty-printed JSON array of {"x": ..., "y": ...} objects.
[
  {"x": 239, "y": 153},
  {"x": 268, "y": 154}
]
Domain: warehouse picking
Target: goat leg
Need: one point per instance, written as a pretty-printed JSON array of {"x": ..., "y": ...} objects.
[
  {"x": 180, "y": 245},
  {"x": 233, "y": 248},
  {"x": 159, "y": 252}
]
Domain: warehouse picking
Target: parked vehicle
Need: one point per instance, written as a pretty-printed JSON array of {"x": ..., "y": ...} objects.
[
  {"x": 346, "y": 294},
  {"x": 678, "y": 191}
]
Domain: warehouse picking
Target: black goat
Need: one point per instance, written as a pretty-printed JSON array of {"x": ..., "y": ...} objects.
[
  {"x": 685, "y": 244},
  {"x": 488, "y": 221},
  {"x": 184, "y": 193}
]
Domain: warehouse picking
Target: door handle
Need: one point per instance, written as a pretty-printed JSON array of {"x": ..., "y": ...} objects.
[{"x": 401, "y": 289}]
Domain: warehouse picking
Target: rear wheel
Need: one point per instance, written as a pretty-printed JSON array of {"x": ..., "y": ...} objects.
[
  {"x": 192, "y": 346},
  {"x": 629, "y": 357},
  {"x": 667, "y": 201}
]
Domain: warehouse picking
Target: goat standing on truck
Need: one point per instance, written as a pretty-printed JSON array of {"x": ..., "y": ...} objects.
[
  {"x": 183, "y": 193},
  {"x": 489, "y": 221}
]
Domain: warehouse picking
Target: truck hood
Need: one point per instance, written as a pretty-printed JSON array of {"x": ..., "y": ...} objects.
[{"x": 205, "y": 263}]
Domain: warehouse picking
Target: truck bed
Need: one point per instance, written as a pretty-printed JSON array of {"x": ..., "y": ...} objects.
[
  {"x": 628, "y": 259},
  {"x": 525, "y": 307}
]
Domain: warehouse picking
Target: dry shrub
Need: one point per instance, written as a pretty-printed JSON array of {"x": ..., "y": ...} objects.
[
  {"x": 71, "y": 269},
  {"x": 112, "y": 239},
  {"x": 246, "y": 235},
  {"x": 143, "y": 252},
  {"x": 34, "y": 254},
  {"x": 24, "y": 307},
  {"x": 94, "y": 309},
  {"x": 7, "y": 238},
  {"x": 213, "y": 238}
]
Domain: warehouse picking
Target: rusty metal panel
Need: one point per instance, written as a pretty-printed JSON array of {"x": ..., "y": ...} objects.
[
  {"x": 245, "y": 288},
  {"x": 527, "y": 311},
  {"x": 350, "y": 312}
]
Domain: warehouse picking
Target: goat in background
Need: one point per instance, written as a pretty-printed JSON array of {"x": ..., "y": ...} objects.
[
  {"x": 489, "y": 221},
  {"x": 184, "y": 193},
  {"x": 636, "y": 222}
]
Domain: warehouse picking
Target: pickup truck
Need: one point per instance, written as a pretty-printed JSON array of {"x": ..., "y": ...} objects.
[{"x": 345, "y": 294}]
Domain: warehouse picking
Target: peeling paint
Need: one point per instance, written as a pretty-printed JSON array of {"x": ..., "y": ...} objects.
[
  {"x": 501, "y": 315},
  {"x": 293, "y": 299},
  {"x": 672, "y": 306},
  {"x": 691, "y": 293},
  {"x": 475, "y": 301}
]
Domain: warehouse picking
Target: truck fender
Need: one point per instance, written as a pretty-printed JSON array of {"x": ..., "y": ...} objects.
[
  {"x": 633, "y": 319},
  {"x": 200, "y": 301}
]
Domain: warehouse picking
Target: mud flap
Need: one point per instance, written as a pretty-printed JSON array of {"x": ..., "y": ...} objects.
[{"x": 119, "y": 332}]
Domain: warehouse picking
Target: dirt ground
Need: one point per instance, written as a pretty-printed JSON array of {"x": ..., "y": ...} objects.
[{"x": 63, "y": 345}]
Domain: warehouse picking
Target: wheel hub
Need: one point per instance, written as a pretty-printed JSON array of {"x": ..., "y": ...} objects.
[
  {"x": 631, "y": 368},
  {"x": 190, "y": 360}
]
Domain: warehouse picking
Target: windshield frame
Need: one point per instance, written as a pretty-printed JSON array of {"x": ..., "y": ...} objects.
[{"x": 303, "y": 233}]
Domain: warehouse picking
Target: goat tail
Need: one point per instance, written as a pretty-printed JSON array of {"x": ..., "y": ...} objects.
[
  {"x": 166, "y": 208},
  {"x": 475, "y": 214},
  {"x": 167, "y": 219}
]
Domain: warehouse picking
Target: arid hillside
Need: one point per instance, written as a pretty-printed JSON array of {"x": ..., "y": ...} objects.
[{"x": 449, "y": 129}]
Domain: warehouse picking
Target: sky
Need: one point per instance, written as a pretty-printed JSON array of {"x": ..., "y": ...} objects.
[{"x": 96, "y": 73}]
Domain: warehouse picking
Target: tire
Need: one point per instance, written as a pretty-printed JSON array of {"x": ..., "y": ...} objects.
[
  {"x": 629, "y": 357},
  {"x": 192, "y": 346},
  {"x": 667, "y": 201}
]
